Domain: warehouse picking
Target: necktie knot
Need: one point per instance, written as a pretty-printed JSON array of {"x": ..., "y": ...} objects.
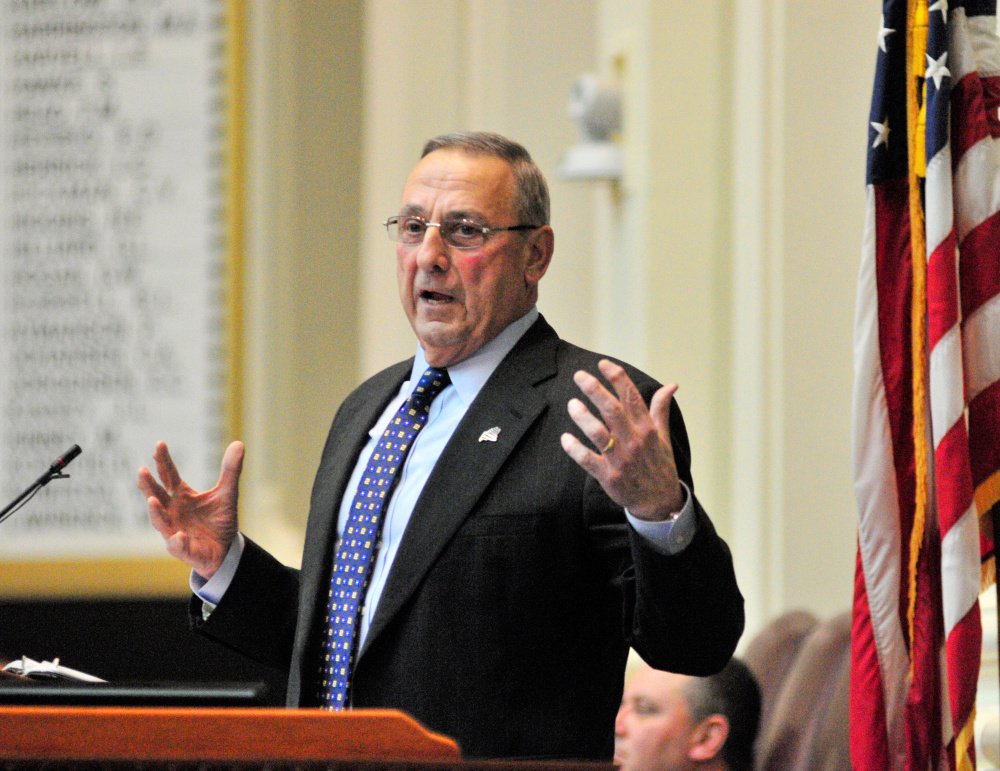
[{"x": 431, "y": 383}]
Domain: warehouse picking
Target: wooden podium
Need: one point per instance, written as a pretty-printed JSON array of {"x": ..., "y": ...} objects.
[
  {"x": 231, "y": 738},
  {"x": 59, "y": 735}
]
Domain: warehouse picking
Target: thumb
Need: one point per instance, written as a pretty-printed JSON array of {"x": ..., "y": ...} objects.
[
  {"x": 177, "y": 545},
  {"x": 232, "y": 465},
  {"x": 659, "y": 409}
]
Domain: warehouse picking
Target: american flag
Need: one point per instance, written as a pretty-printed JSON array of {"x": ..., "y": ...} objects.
[{"x": 927, "y": 385}]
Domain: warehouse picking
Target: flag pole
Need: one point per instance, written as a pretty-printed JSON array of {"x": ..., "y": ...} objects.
[{"x": 916, "y": 46}]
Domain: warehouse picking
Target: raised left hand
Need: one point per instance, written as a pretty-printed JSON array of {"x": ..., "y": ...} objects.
[{"x": 635, "y": 464}]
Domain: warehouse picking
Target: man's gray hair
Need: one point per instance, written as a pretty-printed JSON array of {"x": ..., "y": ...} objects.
[{"x": 531, "y": 196}]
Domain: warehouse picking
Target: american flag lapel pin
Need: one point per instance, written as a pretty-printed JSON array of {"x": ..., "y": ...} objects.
[{"x": 490, "y": 434}]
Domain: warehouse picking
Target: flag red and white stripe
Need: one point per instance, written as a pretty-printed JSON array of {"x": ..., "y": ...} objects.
[{"x": 927, "y": 385}]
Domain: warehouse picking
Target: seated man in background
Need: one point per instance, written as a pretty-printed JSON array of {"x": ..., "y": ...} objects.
[{"x": 671, "y": 722}]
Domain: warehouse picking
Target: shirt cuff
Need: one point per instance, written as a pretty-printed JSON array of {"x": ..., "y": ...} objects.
[
  {"x": 210, "y": 590},
  {"x": 671, "y": 535}
]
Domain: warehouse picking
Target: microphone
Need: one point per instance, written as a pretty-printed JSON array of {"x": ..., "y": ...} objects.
[{"x": 55, "y": 471}]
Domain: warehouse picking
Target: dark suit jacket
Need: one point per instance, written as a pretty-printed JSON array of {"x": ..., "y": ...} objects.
[{"x": 518, "y": 586}]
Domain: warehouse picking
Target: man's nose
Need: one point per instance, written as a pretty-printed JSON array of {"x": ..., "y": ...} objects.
[
  {"x": 432, "y": 252},
  {"x": 620, "y": 722}
]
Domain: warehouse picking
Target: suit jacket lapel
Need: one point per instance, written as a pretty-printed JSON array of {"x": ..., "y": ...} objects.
[{"x": 467, "y": 466}]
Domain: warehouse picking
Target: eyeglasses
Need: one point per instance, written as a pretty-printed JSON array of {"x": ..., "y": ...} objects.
[{"x": 459, "y": 233}]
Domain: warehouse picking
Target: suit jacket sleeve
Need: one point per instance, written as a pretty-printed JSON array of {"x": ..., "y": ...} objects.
[
  {"x": 682, "y": 612},
  {"x": 257, "y": 614}
]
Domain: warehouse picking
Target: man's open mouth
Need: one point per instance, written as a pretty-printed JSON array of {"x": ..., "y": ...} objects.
[{"x": 435, "y": 297}]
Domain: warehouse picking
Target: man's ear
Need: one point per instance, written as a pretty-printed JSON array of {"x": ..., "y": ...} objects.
[
  {"x": 708, "y": 738},
  {"x": 541, "y": 244}
]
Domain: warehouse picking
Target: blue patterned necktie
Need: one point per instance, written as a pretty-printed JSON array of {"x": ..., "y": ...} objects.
[{"x": 359, "y": 541}]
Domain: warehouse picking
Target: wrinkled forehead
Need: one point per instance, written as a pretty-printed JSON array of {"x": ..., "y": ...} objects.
[{"x": 454, "y": 182}]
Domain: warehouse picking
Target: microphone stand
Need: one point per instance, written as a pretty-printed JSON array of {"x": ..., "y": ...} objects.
[{"x": 55, "y": 471}]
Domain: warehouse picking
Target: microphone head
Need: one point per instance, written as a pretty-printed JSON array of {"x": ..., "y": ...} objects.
[{"x": 66, "y": 458}]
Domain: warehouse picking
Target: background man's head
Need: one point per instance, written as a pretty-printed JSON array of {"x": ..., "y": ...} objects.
[
  {"x": 671, "y": 722},
  {"x": 459, "y": 297}
]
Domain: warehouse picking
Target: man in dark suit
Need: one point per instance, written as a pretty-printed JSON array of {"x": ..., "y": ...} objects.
[{"x": 528, "y": 539}]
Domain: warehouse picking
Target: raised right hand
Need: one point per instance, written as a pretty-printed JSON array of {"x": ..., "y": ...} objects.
[{"x": 198, "y": 527}]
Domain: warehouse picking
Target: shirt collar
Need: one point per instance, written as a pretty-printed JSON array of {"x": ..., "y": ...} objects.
[{"x": 471, "y": 374}]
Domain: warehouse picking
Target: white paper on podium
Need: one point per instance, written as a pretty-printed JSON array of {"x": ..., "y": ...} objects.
[{"x": 48, "y": 670}]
